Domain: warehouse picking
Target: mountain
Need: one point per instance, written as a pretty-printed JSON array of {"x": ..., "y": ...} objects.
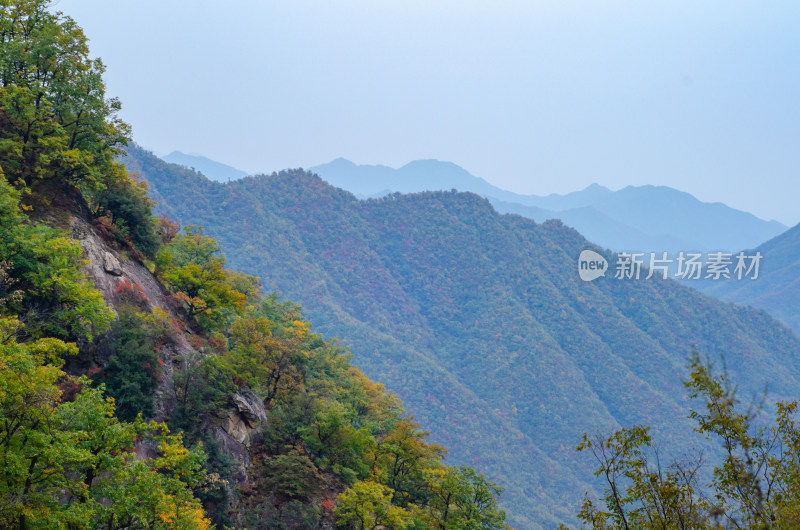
[
  {"x": 415, "y": 176},
  {"x": 777, "y": 289},
  {"x": 641, "y": 218},
  {"x": 602, "y": 229},
  {"x": 143, "y": 384},
  {"x": 660, "y": 210},
  {"x": 479, "y": 322},
  {"x": 210, "y": 168}
]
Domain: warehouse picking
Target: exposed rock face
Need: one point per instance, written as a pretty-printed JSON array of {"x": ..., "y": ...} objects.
[
  {"x": 235, "y": 428},
  {"x": 240, "y": 427},
  {"x": 106, "y": 268},
  {"x": 109, "y": 271},
  {"x": 111, "y": 264},
  {"x": 245, "y": 417}
]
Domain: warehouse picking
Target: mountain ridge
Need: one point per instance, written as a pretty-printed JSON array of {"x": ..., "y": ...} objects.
[
  {"x": 210, "y": 168},
  {"x": 493, "y": 341},
  {"x": 777, "y": 290},
  {"x": 634, "y": 218}
]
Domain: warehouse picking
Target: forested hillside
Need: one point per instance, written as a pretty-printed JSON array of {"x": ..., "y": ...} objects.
[
  {"x": 479, "y": 321},
  {"x": 143, "y": 384},
  {"x": 777, "y": 290}
]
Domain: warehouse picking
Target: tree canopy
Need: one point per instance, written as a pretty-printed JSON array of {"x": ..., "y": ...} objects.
[
  {"x": 55, "y": 119},
  {"x": 72, "y": 463}
]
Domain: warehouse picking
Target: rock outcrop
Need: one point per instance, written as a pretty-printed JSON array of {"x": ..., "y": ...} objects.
[
  {"x": 236, "y": 428},
  {"x": 240, "y": 427}
]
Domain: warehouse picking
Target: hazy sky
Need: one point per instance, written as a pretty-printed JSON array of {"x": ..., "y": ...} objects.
[{"x": 533, "y": 96}]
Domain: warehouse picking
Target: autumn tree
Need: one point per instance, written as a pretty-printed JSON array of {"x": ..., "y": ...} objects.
[
  {"x": 367, "y": 506},
  {"x": 401, "y": 459},
  {"x": 194, "y": 268},
  {"x": 641, "y": 490},
  {"x": 271, "y": 365}
]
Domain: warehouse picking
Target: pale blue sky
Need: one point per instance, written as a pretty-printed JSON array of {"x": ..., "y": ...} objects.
[{"x": 535, "y": 97}]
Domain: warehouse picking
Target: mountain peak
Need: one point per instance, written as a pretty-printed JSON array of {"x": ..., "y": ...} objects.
[
  {"x": 341, "y": 162},
  {"x": 595, "y": 187},
  {"x": 210, "y": 168}
]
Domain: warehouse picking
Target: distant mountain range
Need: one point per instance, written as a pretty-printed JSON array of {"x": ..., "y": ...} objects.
[
  {"x": 480, "y": 323},
  {"x": 777, "y": 288},
  {"x": 636, "y": 218},
  {"x": 210, "y": 168}
]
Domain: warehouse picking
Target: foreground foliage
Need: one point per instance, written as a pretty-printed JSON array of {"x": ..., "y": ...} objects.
[
  {"x": 756, "y": 484},
  {"x": 72, "y": 463}
]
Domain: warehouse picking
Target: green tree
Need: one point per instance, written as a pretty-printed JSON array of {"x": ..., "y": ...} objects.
[
  {"x": 272, "y": 366},
  {"x": 71, "y": 463},
  {"x": 463, "y": 499},
  {"x": 292, "y": 475},
  {"x": 131, "y": 373},
  {"x": 55, "y": 120},
  {"x": 194, "y": 268},
  {"x": 368, "y": 505},
  {"x": 202, "y": 386},
  {"x": 337, "y": 444},
  {"x": 755, "y": 485},
  {"x": 401, "y": 460}
]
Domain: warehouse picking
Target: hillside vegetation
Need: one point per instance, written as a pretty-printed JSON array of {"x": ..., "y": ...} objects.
[
  {"x": 479, "y": 321},
  {"x": 143, "y": 384},
  {"x": 777, "y": 290}
]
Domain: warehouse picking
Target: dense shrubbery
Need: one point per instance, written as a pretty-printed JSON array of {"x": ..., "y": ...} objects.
[
  {"x": 126, "y": 208},
  {"x": 55, "y": 121},
  {"x": 42, "y": 281}
]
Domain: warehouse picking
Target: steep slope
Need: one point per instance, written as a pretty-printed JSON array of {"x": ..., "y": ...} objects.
[
  {"x": 111, "y": 317},
  {"x": 643, "y": 218},
  {"x": 777, "y": 289},
  {"x": 479, "y": 321}
]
